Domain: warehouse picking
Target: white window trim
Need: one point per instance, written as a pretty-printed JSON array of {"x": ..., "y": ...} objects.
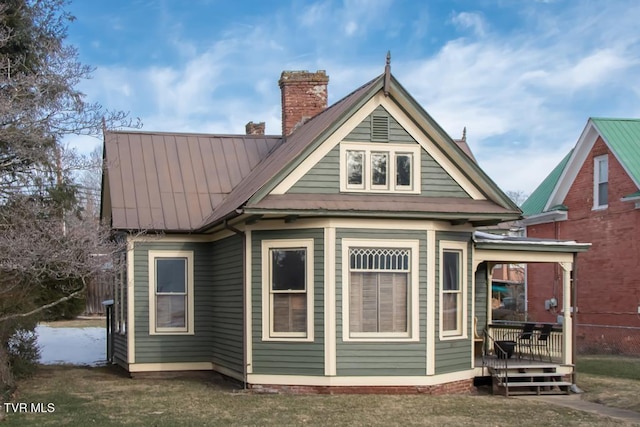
[
  {"x": 462, "y": 332},
  {"x": 189, "y": 327},
  {"x": 267, "y": 307},
  {"x": 413, "y": 327},
  {"x": 392, "y": 150},
  {"x": 596, "y": 181}
]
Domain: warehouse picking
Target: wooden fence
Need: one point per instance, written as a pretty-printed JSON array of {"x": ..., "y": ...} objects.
[{"x": 98, "y": 290}]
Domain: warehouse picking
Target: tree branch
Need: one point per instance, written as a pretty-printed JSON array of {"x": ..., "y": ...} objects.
[{"x": 46, "y": 306}]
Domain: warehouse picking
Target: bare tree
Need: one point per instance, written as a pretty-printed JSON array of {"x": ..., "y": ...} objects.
[
  {"x": 48, "y": 249},
  {"x": 517, "y": 196}
]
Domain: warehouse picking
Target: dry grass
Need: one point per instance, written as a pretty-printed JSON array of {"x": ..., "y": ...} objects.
[
  {"x": 611, "y": 380},
  {"x": 104, "y": 396},
  {"x": 77, "y": 323},
  {"x": 615, "y": 392}
]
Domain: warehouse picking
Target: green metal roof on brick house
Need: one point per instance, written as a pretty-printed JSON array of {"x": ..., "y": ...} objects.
[
  {"x": 536, "y": 202},
  {"x": 622, "y": 136}
]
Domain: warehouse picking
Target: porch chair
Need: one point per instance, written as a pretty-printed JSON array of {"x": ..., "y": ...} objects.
[
  {"x": 542, "y": 341},
  {"x": 536, "y": 343},
  {"x": 525, "y": 339}
]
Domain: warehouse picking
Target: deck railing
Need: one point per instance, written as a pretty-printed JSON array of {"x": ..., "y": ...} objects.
[
  {"x": 493, "y": 356},
  {"x": 510, "y": 331}
]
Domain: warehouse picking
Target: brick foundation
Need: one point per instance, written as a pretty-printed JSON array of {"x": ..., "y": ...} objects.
[{"x": 455, "y": 387}]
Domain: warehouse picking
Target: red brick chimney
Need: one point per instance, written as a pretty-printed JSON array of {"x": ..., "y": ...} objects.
[
  {"x": 304, "y": 95},
  {"x": 255, "y": 128}
]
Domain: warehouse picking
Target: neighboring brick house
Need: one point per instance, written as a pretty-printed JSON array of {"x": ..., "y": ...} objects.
[{"x": 592, "y": 195}]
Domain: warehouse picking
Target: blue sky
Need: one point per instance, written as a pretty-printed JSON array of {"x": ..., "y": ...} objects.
[{"x": 522, "y": 75}]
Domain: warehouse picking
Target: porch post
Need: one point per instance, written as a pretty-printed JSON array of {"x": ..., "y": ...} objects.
[
  {"x": 490, "y": 266},
  {"x": 567, "y": 321}
]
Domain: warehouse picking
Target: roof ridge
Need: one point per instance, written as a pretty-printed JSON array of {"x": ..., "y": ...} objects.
[
  {"x": 208, "y": 135},
  {"x": 613, "y": 119}
]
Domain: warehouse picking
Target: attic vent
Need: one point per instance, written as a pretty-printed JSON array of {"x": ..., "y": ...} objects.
[{"x": 380, "y": 128}]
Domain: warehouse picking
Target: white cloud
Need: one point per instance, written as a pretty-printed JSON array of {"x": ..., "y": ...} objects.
[
  {"x": 523, "y": 93},
  {"x": 350, "y": 28},
  {"x": 470, "y": 21}
]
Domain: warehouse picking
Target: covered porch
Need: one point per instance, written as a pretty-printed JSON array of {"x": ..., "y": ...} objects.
[{"x": 526, "y": 341}]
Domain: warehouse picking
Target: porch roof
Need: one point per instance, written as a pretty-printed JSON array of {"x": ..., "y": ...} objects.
[{"x": 490, "y": 241}]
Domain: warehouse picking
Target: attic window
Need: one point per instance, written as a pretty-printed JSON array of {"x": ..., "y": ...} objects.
[
  {"x": 380, "y": 128},
  {"x": 600, "y": 182},
  {"x": 377, "y": 168}
]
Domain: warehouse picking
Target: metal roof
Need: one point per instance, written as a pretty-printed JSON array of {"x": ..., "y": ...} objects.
[
  {"x": 623, "y": 137},
  {"x": 189, "y": 182},
  {"x": 536, "y": 202},
  {"x": 172, "y": 181},
  {"x": 484, "y": 240}
]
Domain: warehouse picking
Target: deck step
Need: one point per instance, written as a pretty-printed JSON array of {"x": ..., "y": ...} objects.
[
  {"x": 528, "y": 374},
  {"x": 526, "y": 366},
  {"x": 537, "y": 384}
]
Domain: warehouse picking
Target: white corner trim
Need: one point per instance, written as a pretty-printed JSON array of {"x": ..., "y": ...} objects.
[
  {"x": 431, "y": 302},
  {"x": 248, "y": 306},
  {"x": 330, "y": 364},
  {"x": 131, "y": 327}
]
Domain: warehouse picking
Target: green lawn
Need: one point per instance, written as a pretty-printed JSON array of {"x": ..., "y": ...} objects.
[
  {"x": 610, "y": 380},
  {"x": 611, "y": 366},
  {"x": 104, "y": 396}
]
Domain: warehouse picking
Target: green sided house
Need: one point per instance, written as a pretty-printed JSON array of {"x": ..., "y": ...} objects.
[{"x": 343, "y": 253}]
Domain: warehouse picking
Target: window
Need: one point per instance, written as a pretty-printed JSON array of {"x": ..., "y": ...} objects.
[
  {"x": 287, "y": 267},
  {"x": 379, "y": 290},
  {"x": 355, "y": 169},
  {"x": 171, "y": 292},
  {"x": 601, "y": 182},
  {"x": 379, "y": 161},
  {"x": 380, "y": 167},
  {"x": 453, "y": 277}
]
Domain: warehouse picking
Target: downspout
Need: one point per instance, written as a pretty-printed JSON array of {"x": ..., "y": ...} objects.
[{"x": 244, "y": 302}]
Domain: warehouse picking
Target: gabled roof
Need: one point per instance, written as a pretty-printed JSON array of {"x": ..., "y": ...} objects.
[
  {"x": 172, "y": 181},
  {"x": 309, "y": 136},
  {"x": 294, "y": 146},
  {"x": 622, "y": 136},
  {"x": 164, "y": 181},
  {"x": 537, "y": 201}
]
